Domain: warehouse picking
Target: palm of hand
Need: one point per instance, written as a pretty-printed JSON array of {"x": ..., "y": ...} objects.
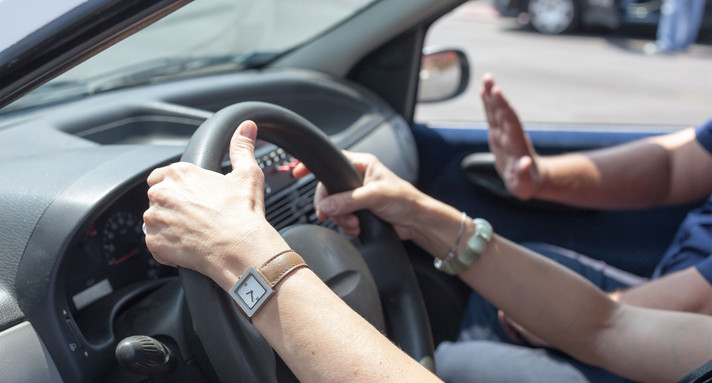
[{"x": 515, "y": 158}]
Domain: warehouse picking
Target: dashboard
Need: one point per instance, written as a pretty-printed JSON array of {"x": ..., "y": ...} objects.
[{"x": 81, "y": 265}]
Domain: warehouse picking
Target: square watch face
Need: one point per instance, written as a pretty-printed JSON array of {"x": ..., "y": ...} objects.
[{"x": 251, "y": 291}]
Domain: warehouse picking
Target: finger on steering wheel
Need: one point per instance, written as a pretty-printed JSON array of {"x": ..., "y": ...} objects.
[{"x": 348, "y": 223}]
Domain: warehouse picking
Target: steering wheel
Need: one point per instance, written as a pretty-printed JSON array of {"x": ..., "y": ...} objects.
[{"x": 235, "y": 349}]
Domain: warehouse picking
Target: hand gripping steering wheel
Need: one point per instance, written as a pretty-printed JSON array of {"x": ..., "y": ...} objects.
[{"x": 235, "y": 349}]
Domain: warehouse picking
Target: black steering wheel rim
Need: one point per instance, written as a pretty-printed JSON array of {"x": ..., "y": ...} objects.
[{"x": 232, "y": 345}]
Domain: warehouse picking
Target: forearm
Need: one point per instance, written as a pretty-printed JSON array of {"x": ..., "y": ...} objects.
[
  {"x": 655, "y": 345},
  {"x": 560, "y": 307},
  {"x": 630, "y": 176},
  {"x": 660, "y": 170},
  {"x": 434, "y": 226},
  {"x": 322, "y": 340},
  {"x": 557, "y": 305},
  {"x": 574, "y": 316},
  {"x": 319, "y": 337},
  {"x": 685, "y": 290}
]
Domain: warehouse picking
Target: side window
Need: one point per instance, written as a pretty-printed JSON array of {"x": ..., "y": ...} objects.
[{"x": 581, "y": 74}]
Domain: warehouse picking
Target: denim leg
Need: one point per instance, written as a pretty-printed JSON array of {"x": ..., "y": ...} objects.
[
  {"x": 487, "y": 361},
  {"x": 679, "y": 23},
  {"x": 697, "y": 9},
  {"x": 668, "y": 26}
]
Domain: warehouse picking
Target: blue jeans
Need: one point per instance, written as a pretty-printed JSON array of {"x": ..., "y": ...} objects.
[
  {"x": 484, "y": 353},
  {"x": 679, "y": 24}
]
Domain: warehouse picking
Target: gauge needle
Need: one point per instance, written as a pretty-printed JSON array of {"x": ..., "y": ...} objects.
[{"x": 125, "y": 257}]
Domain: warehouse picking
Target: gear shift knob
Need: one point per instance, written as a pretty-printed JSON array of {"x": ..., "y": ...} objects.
[{"x": 144, "y": 355}]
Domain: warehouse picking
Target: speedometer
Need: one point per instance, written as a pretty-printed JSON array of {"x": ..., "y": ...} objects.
[{"x": 123, "y": 238}]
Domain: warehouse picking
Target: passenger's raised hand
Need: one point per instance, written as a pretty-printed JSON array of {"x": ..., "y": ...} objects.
[{"x": 515, "y": 158}]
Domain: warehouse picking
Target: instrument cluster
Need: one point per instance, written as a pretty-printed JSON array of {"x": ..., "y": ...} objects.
[{"x": 111, "y": 253}]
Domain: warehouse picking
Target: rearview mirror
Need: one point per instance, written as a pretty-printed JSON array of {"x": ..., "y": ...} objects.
[{"x": 444, "y": 74}]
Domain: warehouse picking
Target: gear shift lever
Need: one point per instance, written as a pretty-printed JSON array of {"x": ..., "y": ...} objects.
[{"x": 143, "y": 355}]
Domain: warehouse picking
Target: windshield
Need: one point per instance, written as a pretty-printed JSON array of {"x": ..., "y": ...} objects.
[{"x": 206, "y": 36}]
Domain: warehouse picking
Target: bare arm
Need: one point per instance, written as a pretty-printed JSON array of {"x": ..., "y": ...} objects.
[
  {"x": 660, "y": 345},
  {"x": 322, "y": 340},
  {"x": 685, "y": 290},
  {"x": 668, "y": 169},
  {"x": 661, "y": 170}
]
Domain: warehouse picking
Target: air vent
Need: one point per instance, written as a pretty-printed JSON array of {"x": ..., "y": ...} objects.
[{"x": 294, "y": 205}]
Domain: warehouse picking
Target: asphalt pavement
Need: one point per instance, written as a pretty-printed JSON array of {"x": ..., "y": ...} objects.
[{"x": 592, "y": 77}]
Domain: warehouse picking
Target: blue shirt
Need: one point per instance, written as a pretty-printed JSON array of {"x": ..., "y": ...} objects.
[{"x": 692, "y": 245}]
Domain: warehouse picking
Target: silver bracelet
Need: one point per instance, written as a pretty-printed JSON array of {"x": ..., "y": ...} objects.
[{"x": 441, "y": 263}]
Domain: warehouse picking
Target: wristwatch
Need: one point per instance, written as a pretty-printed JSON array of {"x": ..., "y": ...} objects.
[
  {"x": 476, "y": 245},
  {"x": 256, "y": 286}
]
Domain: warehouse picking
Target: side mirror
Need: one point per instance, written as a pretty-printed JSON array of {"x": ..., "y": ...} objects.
[{"x": 444, "y": 74}]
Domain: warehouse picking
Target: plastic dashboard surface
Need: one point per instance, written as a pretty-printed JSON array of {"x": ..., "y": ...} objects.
[{"x": 73, "y": 193}]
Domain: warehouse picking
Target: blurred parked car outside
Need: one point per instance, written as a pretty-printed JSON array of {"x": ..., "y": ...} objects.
[{"x": 562, "y": 16}]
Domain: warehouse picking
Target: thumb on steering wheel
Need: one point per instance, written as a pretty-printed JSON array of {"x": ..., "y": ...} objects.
[{"x": 242, "y": 144}]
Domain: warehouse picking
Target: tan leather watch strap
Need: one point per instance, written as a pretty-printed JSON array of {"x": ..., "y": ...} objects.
[
  {"x": 280, "y": 265},
  {"x": 256, "y": 286}
]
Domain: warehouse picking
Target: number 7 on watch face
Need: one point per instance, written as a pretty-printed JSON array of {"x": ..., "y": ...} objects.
[{"x": 250, "y": 291}]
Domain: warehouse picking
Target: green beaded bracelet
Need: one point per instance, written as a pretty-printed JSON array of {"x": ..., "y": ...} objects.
[{"x": 476, "y": 245}]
